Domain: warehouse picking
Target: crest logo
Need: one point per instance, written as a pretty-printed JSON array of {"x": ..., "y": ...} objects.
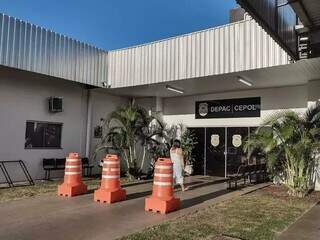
[
  {"x": 236, "y": 140},
  {"x": 203, "y": 109},
  {"x": 215, "y": 140}
]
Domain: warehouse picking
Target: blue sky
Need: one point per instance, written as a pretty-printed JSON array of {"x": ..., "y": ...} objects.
[{"x": 111, "y": 24}]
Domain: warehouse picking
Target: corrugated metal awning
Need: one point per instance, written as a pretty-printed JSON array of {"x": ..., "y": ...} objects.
[
  {"x": 235, "y": 47},
  {"x": 308, "y": 11},
  {"x": 32, "y": 48}
]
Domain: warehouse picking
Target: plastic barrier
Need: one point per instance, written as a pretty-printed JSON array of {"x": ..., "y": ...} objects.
[
  {"x": 162, "y": 199},
  {"x": 110, "y": 190},
  {"x": 72, "y": 184}
]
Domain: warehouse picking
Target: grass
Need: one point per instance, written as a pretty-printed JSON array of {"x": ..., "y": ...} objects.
[
  {"x": 259, "y": 215},
  {"x": 44, "y": 188}
]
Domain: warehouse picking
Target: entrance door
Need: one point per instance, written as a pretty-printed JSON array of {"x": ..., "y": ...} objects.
[
  {"x": 235, "y": 141},
  {"x": 198, "y": 151},
  {"x": 215, "y": 149}
]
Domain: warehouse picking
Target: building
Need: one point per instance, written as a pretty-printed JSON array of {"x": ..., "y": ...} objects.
[{"x": 221, "y": 82}]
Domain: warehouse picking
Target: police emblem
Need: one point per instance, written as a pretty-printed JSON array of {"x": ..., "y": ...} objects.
[
  {"x": 215, "y": 140},
  {"x": 236, "y": 140},
  {"x": 203, "y": 109}
]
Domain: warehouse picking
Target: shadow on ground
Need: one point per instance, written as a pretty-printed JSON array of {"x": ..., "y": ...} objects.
[
  {"x": 149, "y": 192},
  {"x": 192, "y": 186},
  {"x": 202, "y": 198}
]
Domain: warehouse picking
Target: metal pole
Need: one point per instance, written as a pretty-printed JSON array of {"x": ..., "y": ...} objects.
[
  {"x": 225, "y": 152},
  {"x": 89, "y": 122},
  {"x": 205, "y": 153}
]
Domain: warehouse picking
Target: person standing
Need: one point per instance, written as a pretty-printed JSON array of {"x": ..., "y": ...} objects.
[{"x": 176, "y": 156}]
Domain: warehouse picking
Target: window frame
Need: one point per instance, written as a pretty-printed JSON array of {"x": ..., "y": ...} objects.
[{"x": 47, "y": 124}]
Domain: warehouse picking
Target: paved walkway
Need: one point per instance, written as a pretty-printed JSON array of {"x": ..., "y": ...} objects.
[
  {"x": 80, "y": 218},
  {"x": 306, "y": 228}
]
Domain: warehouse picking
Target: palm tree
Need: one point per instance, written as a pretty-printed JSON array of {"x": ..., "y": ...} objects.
[
  {"x": 290, "y": 143},
  {"x": 150, "y": 132},
  {"x": 127, "y": 129}
]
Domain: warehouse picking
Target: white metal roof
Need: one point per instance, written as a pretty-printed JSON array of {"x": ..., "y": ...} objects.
[
  {"x": 226, "y": 49},
  {"x": 32, "y": 48}
]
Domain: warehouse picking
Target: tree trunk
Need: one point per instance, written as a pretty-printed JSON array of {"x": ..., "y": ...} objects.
[
  {"x": 143, "y": 158},
  {"x": 126, "y": 158}
]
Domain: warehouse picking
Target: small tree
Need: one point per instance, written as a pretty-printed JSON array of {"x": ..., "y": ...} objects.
[
  {"x": 188, "y": 142},
  {"x": 129, "y": 129},
  {"x": 290, "y": 143},
  {"x": 156, "y": 150},
  {"x": 151, "y": 135}
]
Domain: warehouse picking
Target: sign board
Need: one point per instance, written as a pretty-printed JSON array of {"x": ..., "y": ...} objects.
[{"x": 229, "y": 108}]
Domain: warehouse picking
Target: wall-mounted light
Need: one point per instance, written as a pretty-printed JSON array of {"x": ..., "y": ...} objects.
[
  {"x": 246, "y": 82},
  {"x": 173, "y": 89}
]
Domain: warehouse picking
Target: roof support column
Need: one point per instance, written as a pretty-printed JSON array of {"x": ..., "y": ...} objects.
[
  {"x": 89, "y": 122},
  {"x": 159, "y": 105}
]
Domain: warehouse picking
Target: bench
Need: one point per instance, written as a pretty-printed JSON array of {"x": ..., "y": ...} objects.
[
  {"x": 87, "y": 167},
  {"x": 258, "y": 172},
  {"x": 52, "y": 164},
  {"x": 261, "y": 172},
  {"x": 234, "y": 178},
  {"x": 252, "y": 172}
]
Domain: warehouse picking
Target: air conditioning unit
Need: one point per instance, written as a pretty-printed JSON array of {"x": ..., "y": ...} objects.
[{"x": 55, "y": 104}]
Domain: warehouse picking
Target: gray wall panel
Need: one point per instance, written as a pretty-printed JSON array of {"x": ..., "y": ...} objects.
[
  {"x": 32, "y": 48},
  {"x": 234, "y": 47}
]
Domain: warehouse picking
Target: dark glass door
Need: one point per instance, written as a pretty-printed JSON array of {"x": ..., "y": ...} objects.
[
  {"x": 236, "y": 136},
  {"x": 198, "y": 151},
  {"x": 215, "y": 149}
]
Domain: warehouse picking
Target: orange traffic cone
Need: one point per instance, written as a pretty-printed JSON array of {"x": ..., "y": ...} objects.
[
  {"x": 110, "y": 190},
  {"x": 72, "y": 184},
  {"x": 162, "y": 199}
]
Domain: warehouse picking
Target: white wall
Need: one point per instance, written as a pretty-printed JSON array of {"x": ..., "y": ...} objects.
[
  {"x": 102, "y": 105},
  {"x": 314, "y": 90},
  {"x": 149, "y": 103},
  {"x": 182, "y": 109},
  {"x": 23, "y": 96}
]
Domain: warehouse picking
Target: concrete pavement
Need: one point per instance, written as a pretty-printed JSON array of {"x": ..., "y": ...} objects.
[
  {"x": 56, "y": 218},
  {"x": 306, "y": 228}
]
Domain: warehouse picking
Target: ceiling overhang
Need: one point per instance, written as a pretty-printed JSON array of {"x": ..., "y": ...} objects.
[
  {"x": 308, "y": 12},
  {"x": 298, "y": 73}
]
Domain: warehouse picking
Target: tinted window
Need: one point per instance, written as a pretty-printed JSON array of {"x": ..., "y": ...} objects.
[{"x": 43, "y": 135}]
